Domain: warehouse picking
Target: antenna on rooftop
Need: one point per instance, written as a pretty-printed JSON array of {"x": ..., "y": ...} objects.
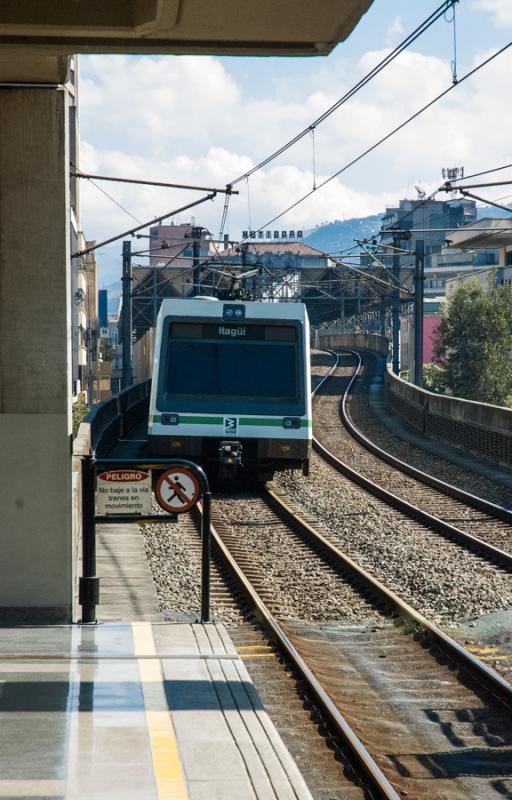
[{"x": 452, "y": 173}]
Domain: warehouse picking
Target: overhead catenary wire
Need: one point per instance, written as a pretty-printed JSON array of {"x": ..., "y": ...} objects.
[
  {"x": 132, "y": 231},
  {"x": 391, "y": 133},
  {"x": 403, "y": 45},
  {"x": 116, "y": 202},
  {"x": 453, "y": 62}
]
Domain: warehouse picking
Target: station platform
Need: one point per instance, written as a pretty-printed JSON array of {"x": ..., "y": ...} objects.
[{"x": 138, "y": 711}]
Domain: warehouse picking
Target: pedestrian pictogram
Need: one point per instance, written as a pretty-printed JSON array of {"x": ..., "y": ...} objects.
[{"x": 177, "y": 490}]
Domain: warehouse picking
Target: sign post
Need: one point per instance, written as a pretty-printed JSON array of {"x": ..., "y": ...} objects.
[
  {"x": 121, "y": 488},
  {"x": 177, "y": 491}
]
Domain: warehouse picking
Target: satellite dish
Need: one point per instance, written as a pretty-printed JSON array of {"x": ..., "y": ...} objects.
[{"x": 421, "y": 192}]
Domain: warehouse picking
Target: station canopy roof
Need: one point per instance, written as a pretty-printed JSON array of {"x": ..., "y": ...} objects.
[
  {"x": 487, "y": 233},
  {"x": 233, "y": 27}
]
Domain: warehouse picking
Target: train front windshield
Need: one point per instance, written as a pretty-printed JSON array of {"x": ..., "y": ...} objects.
[{"x": 246, "y": 364}]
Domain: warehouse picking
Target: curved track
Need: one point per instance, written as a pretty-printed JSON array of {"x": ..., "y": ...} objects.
[
  {"x": 344, "y": 671},
  {"x": 430, "y": 501}
]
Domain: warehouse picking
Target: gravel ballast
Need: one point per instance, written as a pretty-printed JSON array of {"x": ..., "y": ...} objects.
[{"x": 438, "y": 578}]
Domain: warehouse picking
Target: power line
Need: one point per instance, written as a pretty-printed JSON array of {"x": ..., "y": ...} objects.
[
  {"x": 154, "y": 221},
  {"x": 424, "y": 26},
  {"x": 115, "y": 201},
  {"x": 370, "y": 149}
]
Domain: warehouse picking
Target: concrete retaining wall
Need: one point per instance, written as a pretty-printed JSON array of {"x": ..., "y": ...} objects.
[
  {"x": 481, "y": 428},
  {"x": 354, "y": 341}
]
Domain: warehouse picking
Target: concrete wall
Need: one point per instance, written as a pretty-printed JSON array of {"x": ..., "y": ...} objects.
[
  {"x": 480, "y": 428},
  {"x": 355, "y": 341},
  {"x": 36, "y": 574}
]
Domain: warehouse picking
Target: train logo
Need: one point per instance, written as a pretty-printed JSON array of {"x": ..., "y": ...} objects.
[{"x": 230, "y": 426}]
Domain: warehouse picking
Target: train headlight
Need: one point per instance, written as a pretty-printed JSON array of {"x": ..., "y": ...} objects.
[
  {"x": 170, "y": 419},
  {"x": 232, "y": 312},
  {"x": 291, "y": 422}
]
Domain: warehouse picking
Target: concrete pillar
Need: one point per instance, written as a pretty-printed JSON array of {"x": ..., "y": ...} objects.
[{"x": 36, "y": 580}]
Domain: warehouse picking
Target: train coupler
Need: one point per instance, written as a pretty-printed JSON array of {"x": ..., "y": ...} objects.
[{"x": 230, "y": 458}]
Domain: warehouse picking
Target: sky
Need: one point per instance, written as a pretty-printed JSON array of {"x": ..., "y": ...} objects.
[{"x": 205, "y": 120}]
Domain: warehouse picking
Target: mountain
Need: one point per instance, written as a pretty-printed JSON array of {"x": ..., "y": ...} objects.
[{"x": 332, "y": 237}]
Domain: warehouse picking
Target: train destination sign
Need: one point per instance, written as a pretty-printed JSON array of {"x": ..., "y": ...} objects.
[
  {"x": 123, "y": 491},
  {"x": 177, "y": 490}
]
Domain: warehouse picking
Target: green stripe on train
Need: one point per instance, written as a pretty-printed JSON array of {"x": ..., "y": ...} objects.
[
  {"x": 271, "y": 423},
  {"x": 254, "y": 421}
]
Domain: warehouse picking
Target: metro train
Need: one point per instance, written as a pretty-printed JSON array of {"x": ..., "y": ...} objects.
[{"x": 231, "y": 386}]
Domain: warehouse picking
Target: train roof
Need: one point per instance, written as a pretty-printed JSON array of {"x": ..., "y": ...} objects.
[{"x": 211, "y": 307}]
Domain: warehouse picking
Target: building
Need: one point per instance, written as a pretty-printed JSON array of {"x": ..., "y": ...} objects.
[
  {"x": 490, "y": 232},
  {"x": 103, "y": 310},
  {"x": 174, "y": 251},
  {"x": 431, "y": 319},
  {"x": 480, "y": 251},
  {"x": 451, "y": 262},
  {"x": 288, "y": 270},
  {"x": 426, "y": 220}
]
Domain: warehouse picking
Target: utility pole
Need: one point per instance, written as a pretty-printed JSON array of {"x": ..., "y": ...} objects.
[
  {"x": 383, "y": 313},
  {"x": 196, "y": 252},
  {"x": 419, "y": 276},
  {"x": 342, "y": 309},
  {"x": 395, "y": 309},
  {"x": 127, "y": 376}
]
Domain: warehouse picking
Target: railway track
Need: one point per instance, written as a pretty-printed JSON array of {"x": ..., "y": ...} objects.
[
  {"x": 414, "y": 713},
  {"x": 403, "y": 707},
  {"x": 464, "y": 518}
]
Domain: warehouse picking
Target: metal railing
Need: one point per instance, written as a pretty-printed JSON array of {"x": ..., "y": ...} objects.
[{"x": 108, "y": 421}]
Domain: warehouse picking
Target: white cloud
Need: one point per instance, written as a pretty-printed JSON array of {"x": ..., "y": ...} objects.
[
  {"x": 500, "y": 9},
  {"x": 185, "y": 120},
  {"x": 394, "y": 31}
]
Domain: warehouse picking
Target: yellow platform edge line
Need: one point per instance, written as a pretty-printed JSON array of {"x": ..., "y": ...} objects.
[
  {"x": 247, "y": 656},
  {"x": 169, "y": 776}
]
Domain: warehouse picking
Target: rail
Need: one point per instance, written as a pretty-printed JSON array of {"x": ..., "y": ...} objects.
[
  {"x": 395, "y": 500},
  {"x": 479, "y": 428},
  {"x": 381, "y": 788}
]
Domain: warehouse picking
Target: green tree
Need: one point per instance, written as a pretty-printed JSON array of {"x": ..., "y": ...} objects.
[
  {"x": 434, "y": 378},
  {"x": 80, "y": 411},
  {"x": 474, "y": 343}
]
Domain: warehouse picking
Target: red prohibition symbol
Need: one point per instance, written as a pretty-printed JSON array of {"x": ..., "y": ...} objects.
[{"x": 177, "y": 490}]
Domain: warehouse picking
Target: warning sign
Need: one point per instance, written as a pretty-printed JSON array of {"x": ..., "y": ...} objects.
[
  {"x": 123, "y": 491},
  {"x": 177, "y": 490}
]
